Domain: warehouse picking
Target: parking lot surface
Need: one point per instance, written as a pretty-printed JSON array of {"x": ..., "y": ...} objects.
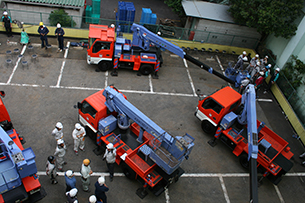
[{"x": 44, "y": 90}]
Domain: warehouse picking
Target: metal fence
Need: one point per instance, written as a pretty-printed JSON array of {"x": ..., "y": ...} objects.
[
  {"x": 291, "y": 94},
  {"x": 81, "y": 22}
]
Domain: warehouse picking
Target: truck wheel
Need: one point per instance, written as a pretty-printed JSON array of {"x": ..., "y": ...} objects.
[
  {"x": 208, "y": 127},
  {"x": 146, "y": 69},
  {"x": 104, "y": 65},
  {"x": 128, "y": 172},
  {"x": 243, "y": 160}
]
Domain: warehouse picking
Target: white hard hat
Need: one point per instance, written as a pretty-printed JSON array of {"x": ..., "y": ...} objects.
[
  {"x": 92, "y": 199},
  {"x": 73, "y": 192},
  {"x": 261, "y": 73},
  {"x": 101, "y": 180},
  {"x": 269, "y": 65},
  {"x": 258, "y": 63},
  {"x": 69, "y": 173},
  {"x": 244, "y": 52},
  {"x": 256, "y": 55},
  {"x": 5, "y": 13},
  {"x": 77, "y": 126},
  {"x": 110, "y": 146},
  {"x": 159, "y": 33},
  {"x": 245, "y": 58},
  {"x": 266, "y": 57},
  {"x": 60, "y": 141},
  {"x": 59, "y": 125},
  {"x": 58, "y": 25},
  {"x": 112, "y": 25},
  {"x": 277, "y": 69}
]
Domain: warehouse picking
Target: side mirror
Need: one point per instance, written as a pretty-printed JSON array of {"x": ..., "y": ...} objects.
[
  {"x": 78, "y": 106},
  {"x": 199, "y": 94},
  {"x": 2, "y": 94}
]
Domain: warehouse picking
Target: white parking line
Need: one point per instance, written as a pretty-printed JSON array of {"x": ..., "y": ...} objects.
[
  {"x": 279, "y": 194},
  {"x": 166, "y": 193},
  {"x": 151, "y": 88},
  {"x": 15, "y": 67},
  {"x": 189, "y": 76},
  {"x": 221, "y": 67},
  {"x": 224, "y": 189},
  {"x": 106, "y": 78},
  {"x": 63, "y": 65}
]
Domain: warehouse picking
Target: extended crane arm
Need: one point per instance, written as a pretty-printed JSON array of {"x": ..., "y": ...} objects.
[{"x": 142, "y": 37}]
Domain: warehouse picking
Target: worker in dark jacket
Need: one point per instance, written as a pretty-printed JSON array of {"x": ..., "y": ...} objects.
[
  {"x": 59, "y": 32},
  {"x": 7, "y": 23},
  {"x": 43, "y": 32},
  {"x": 100, "y": 189},
  {"x": 72, "y": 196}
]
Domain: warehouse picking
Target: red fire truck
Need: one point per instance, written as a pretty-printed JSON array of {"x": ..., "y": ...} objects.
[
  {"x": 107, "y": 51},
  {"x": 219, "y": 113},
  {"x": 18, "y": 179}
]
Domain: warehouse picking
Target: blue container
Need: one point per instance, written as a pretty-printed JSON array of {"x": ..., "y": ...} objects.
[
  {"x": 95, "y": 18},
  {"x": 122, "y": 11},
  {"x": 96, "y": 6},
  {"x": 153, "y": 18},
  {"x": 130, "y": 12},
  {"x": 146, "y": 15},
  {"x": 107, "y": 125}
]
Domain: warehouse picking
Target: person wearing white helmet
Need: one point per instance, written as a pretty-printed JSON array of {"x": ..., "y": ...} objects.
[
  {"x": 72, "y": 196},
  {"x": 109, "y": 156},
  {"x": 273, "y": 79},
  {"x": 60, "y": 152},
  {"x": 240, "y": 63},
  {"x": 59, "y": 32},
  {"x": 100, "y": 189},
  {"x": 57, "y": 132},
  {"x": 92, "y": 199},
  {"x": 7, "y": 24},
  {"x": 244, "y": 54},
  {"x": 255, "y": 72},
  {"x": 78, "y": 135},
  {"x": 70, "y": 180},
  {"x": 253, "y": 62},
  {"x": 244, "y": 83}
]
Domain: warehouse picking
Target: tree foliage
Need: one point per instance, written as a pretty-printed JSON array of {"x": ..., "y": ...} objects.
[
  {"x": 268, "y": 16},
  {"x": 62, "y": 17},
  {"x": 294, "y": 71},
  {"x": 176, "y": 5}
]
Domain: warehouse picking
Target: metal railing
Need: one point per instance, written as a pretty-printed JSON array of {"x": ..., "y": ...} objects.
[{"x": 81, "y": 22}]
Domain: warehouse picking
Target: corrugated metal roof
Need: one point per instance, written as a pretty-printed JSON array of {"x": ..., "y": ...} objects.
[
  {"x": 206, "y": 10},
  {"x": 76, "y": 3}
]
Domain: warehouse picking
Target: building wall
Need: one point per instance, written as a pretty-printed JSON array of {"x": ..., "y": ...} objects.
[
  {"x": 32, "y": 14},
  {"x": 225, "y": 33}
]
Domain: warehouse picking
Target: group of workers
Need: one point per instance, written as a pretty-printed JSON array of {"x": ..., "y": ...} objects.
[
  {"x": 257, "y": 71},
  {"x": 43, "y": 32},
  {"x": 56, "y": 162}
]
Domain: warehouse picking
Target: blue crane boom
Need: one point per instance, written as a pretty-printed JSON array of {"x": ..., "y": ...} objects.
[{"x": 179, "y": 147}]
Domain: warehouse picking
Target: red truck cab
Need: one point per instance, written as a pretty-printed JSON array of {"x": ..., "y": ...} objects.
[
  {"x": 211, "y": 109},
  {"x": 101, "y": 46}
]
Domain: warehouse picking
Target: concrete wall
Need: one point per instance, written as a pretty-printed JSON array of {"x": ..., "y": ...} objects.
[
  {"x": 224, "y": 33},
  {"x": 32, "y": 14}
]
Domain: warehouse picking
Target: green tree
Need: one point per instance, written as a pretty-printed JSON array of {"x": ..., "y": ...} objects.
[
  {"x": 62, "y": 17},
  {"x": 268, "y": 16},
  {"x": 176, "y": 5},
  {"x": 294, "y": 71}
]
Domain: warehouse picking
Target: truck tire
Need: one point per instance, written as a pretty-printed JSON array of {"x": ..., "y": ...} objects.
[
  {"x": 146, "y": 69},
  {"x": 208, "y": 128},
  {"x": 104, "y": 65},
  {"x": 243, "y": 160},
  {"x": 128, "y": 172}
]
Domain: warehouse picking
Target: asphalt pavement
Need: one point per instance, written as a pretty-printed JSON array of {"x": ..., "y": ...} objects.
[{"x": 44, "y": 91}]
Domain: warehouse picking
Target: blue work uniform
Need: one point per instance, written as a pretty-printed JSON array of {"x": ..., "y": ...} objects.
[
  {"x": 7, "y": 24},
  {"x": 70, "y": 183},
  {"x": 43, "y": 31},
  {"x": 100, "y": 192},
  {"x": 60, "y": 37}
]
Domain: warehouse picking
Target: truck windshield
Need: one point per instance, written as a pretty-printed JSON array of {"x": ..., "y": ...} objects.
[
  {"x": 212, "y": 104},
  {"x": 88, "y": 109},
  {"x": 99, "y": 45},
  {"x": 91, "y": 41}
]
